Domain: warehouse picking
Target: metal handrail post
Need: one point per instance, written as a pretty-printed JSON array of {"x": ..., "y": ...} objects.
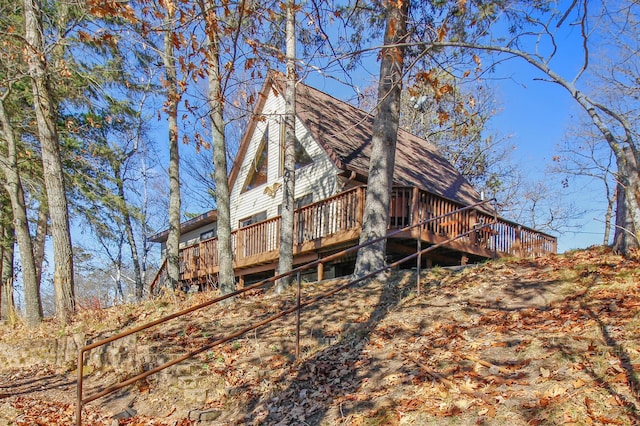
[
  {"x": 298, "y": 317},
  {"x": 80, "y": 367},
  {"x": 419, "y": 261}
]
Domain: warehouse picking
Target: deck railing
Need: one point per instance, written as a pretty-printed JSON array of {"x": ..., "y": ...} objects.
[
  {"x": 333, "y": 215},
  {"x": 505, "y": 237},
  {"x": 340, "y": 216}
]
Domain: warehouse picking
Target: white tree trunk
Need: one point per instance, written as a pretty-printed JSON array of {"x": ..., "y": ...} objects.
[
  {"x": 285, "y": 263},
  {"x": 171, "y": 107}
]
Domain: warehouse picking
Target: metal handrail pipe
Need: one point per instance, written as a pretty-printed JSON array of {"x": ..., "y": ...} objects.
[{"x": 80, "y": 364}]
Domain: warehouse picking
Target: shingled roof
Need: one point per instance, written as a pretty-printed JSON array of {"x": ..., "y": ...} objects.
[{"x": 344, "y": 132}]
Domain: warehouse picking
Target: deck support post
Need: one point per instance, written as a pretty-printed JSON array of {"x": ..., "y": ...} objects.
[
  {"x": 320, "y": 271},
  {"x": 241, "y": 285}
]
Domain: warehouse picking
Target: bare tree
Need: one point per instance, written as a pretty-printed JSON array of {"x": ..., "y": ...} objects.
[
  {"x": 384, "y": 138},
  {"x": 537, "y": 45},
  {"x": 285, "y": 263},
  {"x": 171, "y": 108},
  {"x": 215, "y": 98},
  {"x": 13, "y": 186},
  {"x": 583, "y": 155}
]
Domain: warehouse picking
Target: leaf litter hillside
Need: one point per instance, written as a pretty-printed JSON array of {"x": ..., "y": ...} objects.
[{"x": 550, "y": 340}]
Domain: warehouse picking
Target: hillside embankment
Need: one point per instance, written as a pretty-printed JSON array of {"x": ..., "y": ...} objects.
[{"x": 550, "y": 340}]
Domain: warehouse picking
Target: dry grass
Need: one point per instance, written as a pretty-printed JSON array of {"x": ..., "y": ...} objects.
[{"x": 552, "y": 340}]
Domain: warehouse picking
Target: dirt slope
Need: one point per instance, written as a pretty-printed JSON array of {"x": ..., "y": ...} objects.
[{"x": 552, "y": 340}]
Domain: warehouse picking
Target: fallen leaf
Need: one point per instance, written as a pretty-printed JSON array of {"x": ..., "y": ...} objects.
[
  {"x": 556, "y": 390},
  {"x": 578, "y": 383}
]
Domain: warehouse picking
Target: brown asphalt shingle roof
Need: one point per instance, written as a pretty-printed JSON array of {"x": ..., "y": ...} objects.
[{"x": 344, "y": 131}]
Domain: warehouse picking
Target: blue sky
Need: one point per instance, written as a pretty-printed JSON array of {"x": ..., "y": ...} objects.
[{"x": 535, "y": 115}]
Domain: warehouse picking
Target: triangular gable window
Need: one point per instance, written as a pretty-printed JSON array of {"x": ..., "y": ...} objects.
[
  {"x": 259, "y": 166},
  {"x": 302, "y": 156}
]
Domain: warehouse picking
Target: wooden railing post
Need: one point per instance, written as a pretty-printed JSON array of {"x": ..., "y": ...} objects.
[
  {"x": 415, "y": 210},
  {"x": 240, "y": 245},
  {"x": 361, "y": 202},
  {"x": 473, "y": 220}
]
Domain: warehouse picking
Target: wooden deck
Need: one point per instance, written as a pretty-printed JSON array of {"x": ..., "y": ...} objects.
[{"x": 337, "y": 221}]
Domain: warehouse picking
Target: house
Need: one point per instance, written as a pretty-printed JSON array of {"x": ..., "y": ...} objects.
[{"x": 332, "y": 159}]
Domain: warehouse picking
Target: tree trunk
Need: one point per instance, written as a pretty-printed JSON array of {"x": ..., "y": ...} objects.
[
  {"x": 135, "y": 259},
  {"x": 171, "y": 107},
  {"x": 13, "y": 186},
  {"x": 41, "y": 237},
  {"x": 384, "y": 138},
  {"x": 285, "y": 263},
  {"x": 626, "y": 235},
  {"x": 118, "y": 277},
  {"x": 7, "y": 303},
  {"x": 126, "y": 217},
  {"x": 226, "y": 278},
  {"x": 608, "y": 216},
  {"x": 145, "y": 203},
  {"x": 52, "y": 163}
]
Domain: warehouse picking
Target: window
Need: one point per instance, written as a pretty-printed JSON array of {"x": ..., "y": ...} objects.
[
  {"x": 305, "y": 200},
  {"x": 260, "y": 164},
  {"x": 207, "y": 234},
  {"x": 258, "y": 217},
  {"x": 302, "y": 156}
]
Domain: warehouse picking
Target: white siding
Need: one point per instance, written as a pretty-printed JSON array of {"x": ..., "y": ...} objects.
[
  {"x": 318, "y": 178},
  {"x": 190, "y": 237},
  {"x": 193, "y": 236}
]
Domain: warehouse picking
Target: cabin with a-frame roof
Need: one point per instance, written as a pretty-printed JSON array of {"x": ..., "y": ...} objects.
[{"x": 333, "y": 141}]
